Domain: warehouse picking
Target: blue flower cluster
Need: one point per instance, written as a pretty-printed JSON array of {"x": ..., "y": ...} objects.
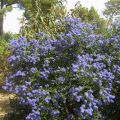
[{"x": 66, "y": 77}]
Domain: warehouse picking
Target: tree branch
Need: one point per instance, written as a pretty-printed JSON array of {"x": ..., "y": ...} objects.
[{"x": 11, "y": 3}]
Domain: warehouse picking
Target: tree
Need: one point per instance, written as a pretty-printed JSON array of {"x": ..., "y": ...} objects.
[
  {"x": 81, "y": 12},
  {"x": 90, "y": 16},
  {"x": 93, "y": 15},
  {"x": 112, "y": 9},
  {"x": 41, "y": 16},
  {"x": 5, "y": 6},
  {"x": 94, "y": 18}
]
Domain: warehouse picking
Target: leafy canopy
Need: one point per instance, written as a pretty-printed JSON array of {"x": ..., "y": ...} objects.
[{"x": 112, "y": 8}]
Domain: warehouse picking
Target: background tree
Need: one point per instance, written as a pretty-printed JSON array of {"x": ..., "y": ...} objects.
[
  {"x": 90, "y": 16},
  {"x": 112, "y": 9},
  {"x": 80, "y": 11},
  {"x": 94, "y": 18},
  {"x": 6, "y": 5},
  {"x": 41, "y": 15},
  {"x": 93, "y": 15}
]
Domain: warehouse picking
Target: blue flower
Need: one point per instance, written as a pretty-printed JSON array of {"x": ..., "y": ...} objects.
[
  {"x": 20, "y": 73},
  {"x": 33, "y": 70},
  {"x": 47, "y": 99},
  {"x": 82, "y": 109}
]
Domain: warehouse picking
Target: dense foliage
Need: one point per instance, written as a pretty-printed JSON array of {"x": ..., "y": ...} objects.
[
  {"x": 68, "y": 77},
  {"x": 90, "y": 16},
  {"x": 111, "y": 111},
  {"x": 112, "y": 9},
  {"x": 4, "y": 53},
  {"x": 41, "y": 16}
]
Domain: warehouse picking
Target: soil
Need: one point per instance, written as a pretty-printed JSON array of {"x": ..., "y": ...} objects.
[{"x": 4, "y": 104}]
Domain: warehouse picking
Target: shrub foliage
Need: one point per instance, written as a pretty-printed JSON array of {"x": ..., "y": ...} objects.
[{"x": 67, "y": 77}]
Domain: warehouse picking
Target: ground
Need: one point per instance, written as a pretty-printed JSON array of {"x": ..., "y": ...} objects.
[
  {"x": 4, "y": 100},
  {"x": 4, "y": 104}
]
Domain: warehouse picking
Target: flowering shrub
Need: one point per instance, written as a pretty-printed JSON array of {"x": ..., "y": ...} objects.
[
  {"x": 68, "y": 77},
  {"x": 112, "y": 110}
]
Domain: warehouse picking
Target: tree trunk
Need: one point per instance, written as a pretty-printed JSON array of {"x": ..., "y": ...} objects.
[
  {"x": 1, "y": 18},
  {"x": 1, "y": 25}
]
